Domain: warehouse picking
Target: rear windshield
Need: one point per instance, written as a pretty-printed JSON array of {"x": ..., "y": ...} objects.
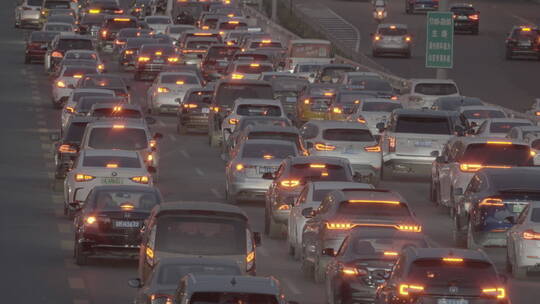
[
  {"x": 34, "y": 2},
  {"x": 308, "y": 68},
  {"x": 102, "y": 81},
  {"x": 75, "y": 132},
  {"x": 372, "y": 85},
  {"x": 439, "y": 273},
  {"x": 217, "y": 53},
  {"x": 479, "y": 114},
  {"x": 111, "y": 112},
  {"x": 154, "y": 20},
  {"x": 42, "y": 36},
  {"x": 118, "y": 25},
  {"x": 380, "y": 106},
  {"x": 370, "y": 210},
  {"x": 80, "y": 55},
  {"x": 75, "y": 44},
  {"x": 258, "y": 110},
  {"x": 493, "y": 154},
  {"x": 268, "y": 151},
  {"x": 392, "y": 32},
  {"x": 85, "y": 104},
  {"x": 178, "y": 29},
  {"x": 253, "y": 69},
  {"x": 437, "y": 89},
  {"x": 526, "y": 35},
  {"x": 351, "y": 97},
  {"x": 57, "y": 4},
  {"x": 77, "y": 96},
  {"x": 230, "y": 26},
  {"x": 117, "y": 161},
  {"x": 336, "y": 72},
  {"x": 423, "y": 125},
  {"x": 257, "y": 45},
  {"x": 322, "y": 172},
  {"x": 199, "y": 97},
  {"x": 201, "y": 235},
  {"x": 504, "y": 127},
  {"x": 246, "y": 122},
  {"x": 121, "y": 200},
  {"x": 58, "y": 27},
  {"x": 200, "y": 44},
  {"x": 252, "y": 57},
  {"x": 118, "y": 138},
  {"x": 179, "y": 79},
  {"x": 451, "y": 104},
  {"x": 91, "y": 19},
  {"x": 164, "y": 49},
  {"x": 231, "y": 297},
  {"x": 228, "y": 92},
  {"x": 347, "y": 135},
  {"x": 70, "y": 72},
  {"x": 170, "y": 274},
  {"x": 291, "y": 137},
  {"x": 377, "y": 246}
]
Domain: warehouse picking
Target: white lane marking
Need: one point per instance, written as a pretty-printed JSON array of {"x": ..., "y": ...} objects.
[
  {"x": 185, "y": 154},
  {"x": 76, "y": 283},
  {"x": 215, "y": 192},
  {"x": 66, "y": 245},
  {"x": 199, "y": 171},
  {"x": 23, "y": 71},
  {"x": 172, "y": 137},
  {"x": 290, "y": 285},
  {"x": 262, "y": 251},
  {"x": 64, "y": 228},
  {"x": 80, "y": 301},
  {"x": 49, "y": 165}
]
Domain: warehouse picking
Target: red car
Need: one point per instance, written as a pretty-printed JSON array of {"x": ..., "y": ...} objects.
[{"x": 36, "y": 45}]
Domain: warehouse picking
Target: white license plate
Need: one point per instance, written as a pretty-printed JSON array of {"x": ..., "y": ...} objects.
[
  {"x": 205, "y": 110},
  {"x": 349, "y": 150},
  {"x": 263, "y": 170},
  {"x": 462, "y": 18},
  {"x": 452, "y": 301},
  {"x": 290, "y": 99},
  {"x": 517, "y": 208},
  {"x": 424, "y": 144},
  {"x": 524, "y": 43},
  {"x": 159, "y": 61},
  {"x": 112, "y": 180},
  {"x": 126, "y": 224}
]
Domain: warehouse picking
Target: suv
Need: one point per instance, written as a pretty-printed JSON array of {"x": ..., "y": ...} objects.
[
  {"x": 421, "y": 93},
  {"x": 391, "y": 39},
  {"x": 331, "y": 73},
  {"x": 443, "y": 275},
  {"x": 523, "y": 41},
  {"x": 27, "y": 13},
  {"x": 466, "y": 17},
  {"x": 63, "y": 43},
  {"x": 216, "y": 60},
  {"x": 412, "y": 139},
  {"x": 111, "y": 26}
]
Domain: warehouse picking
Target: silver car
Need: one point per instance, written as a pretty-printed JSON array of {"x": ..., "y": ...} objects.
[
  {"x": 244, "y": 173},
  {"x": 499, "y": 127},
  {"x": 345, "y": 139},
  {"x": 477, "y": 114},
  {"x": 391, "y": 39},
  {"x": 169, "y": 86},
  {"x": 373, "y": 111}
]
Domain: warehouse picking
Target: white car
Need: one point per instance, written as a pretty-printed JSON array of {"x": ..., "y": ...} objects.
[
  {"x": 62, "y": 28},
  {"x": 523, "y": 241},
  {"x": 103, "y": 167},
  {"x": 27, "y": 13},
  {"x": 250, "y": 107},
  {"x": 310, "y": 197},
  {"x": 530, "y": 135},
  {"x": 73, "y": 99},
  {"x": 158, "y": 23},
  {"x": 476, "y": 115},
  {"x": 373, "y": 111},
  {"x": 308, "y": 70},
  {"x": 499, "y": 127},
  {"x": 65, "y": 83},
  {"x": 421, "y": 93},
  {"x": 167, "y": 87}
]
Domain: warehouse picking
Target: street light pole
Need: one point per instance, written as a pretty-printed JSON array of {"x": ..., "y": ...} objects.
[
  {"x": 442, "y": 73},
  {"x": 274, "y": 10}
]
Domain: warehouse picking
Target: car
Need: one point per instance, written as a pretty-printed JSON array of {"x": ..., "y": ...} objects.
[
  {"x": 36, "y": 46},
  {"x": 248, "y": 70},
  {"x": 110, "y": 220},
  {"x": 127, "y": 55},
  {"x": 310, "y": 197},
  {"x": 353, "y": 78},
  {"x": 27, "y": 13},
  {"x": 153, "y": 58},
  {"x": 344, "y": 101},
  {"x": 102, "y": 167},
  {"x": 461, "y": 158},
  {"x": 175, "y": 30},
  {"x": 195, "y": 288},
  {"x": 84, "y": 106},
  {"x": 453, "y": 103},
  {"x": 287, "y": 182},
  {"x": 63, "y": 43},
  {"x": 124, "y": 34},
  {"x": 466, "y": 18},
  {"x": 476, "y": 115},
  {"x": 414, "y": 6},
  {"x": 217, "y": 59},
  {"x": 372, "y": 111},
  {"x": 167, "y": 87},
  {"x": 308, "y": 70},
  {"x": 197, "y": 230},
  {"x": 313, "y": 102},
  {"x": 342, "y": 210},
  {"x": 111, "y": 82},
  {"x": 162, "y": 284},
  {"x": 370, "y": 85},
  {"x": 158, "y": 23},
  {"x": 62, "y": 28},
  {"x": 226, "y": 92},
  {"x": 193, "y": 110},
  {"x": 287, "y": 91},
  {"x": 490, "y": 202},
  {"x": 141, "y": 8},
  {"x": 249, "y": 162},
  {"x": 277, "y": 126},
  {"x": 523, "y": 41},
  {"x": 522, "y": 240},
  {"x": 426, "y": 273},
  {"x": 499, "y": 127},
  {"x": 62, "y": 18},
  {"x": 86, "y": 55},
  {"x": 88, "y": 63},
  {"x": 346, "y": 139},
  {"x": 226, "y": 24},
  {"x": 308, "y": 51},
  {"x": 106, "y": 7},
  {"x": 364, "y": 260},
  {"x": 391, "y": 39},
  {"x": 110, "y": 28},
  {"x": 89, "y": 24},
  {"x": 47, "y": 5},
  {"x": 331, "y": 73},
  {"x": 70, "y": 103},
  {"x": 64, "y": 84},
  {"x": 421, "y": 93},
  {"x": 118, "y": 110},
  {"x": 410, "y": 137},
  {"x": 254, "y": 43}
]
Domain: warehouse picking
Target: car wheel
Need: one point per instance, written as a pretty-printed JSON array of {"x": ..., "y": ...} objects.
[
  {"x": 319, "y": 272},
  {"x": 80, "y": 258}
]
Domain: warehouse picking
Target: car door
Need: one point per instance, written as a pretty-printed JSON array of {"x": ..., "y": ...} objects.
[
  {"x": 446, "y": 173},
  {"x": 296, "y": 213},
  {"x": 514, "y": 236}
]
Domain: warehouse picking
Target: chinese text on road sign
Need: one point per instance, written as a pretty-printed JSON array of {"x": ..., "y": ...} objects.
[{"x": 440, "y": 40}]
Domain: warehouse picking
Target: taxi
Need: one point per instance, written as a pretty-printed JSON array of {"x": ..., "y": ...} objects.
[
  {"x": 110, "y": 27},
  {"x": 523, "y": 41},
  {"x": 313, "y": 102}
]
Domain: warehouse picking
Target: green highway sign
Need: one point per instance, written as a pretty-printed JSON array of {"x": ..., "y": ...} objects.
[{"x": 440, "y": 40}]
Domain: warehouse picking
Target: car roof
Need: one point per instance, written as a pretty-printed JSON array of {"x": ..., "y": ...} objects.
[
  {"x": 430, "y": 80},
  {"x": 126, "y": 188},
  {"x": 82, "y": 51},
  {"x": 465, "y": 108},
  {"x": 194, "y": 260},
  {"x": 200, "y": 206},
  {"x": 269, "y": 142},
  {"x": 523, "y": 174},
  {"x": 508, "y": 119},
  {"x": 270, "y": 128},
  {"x": 183, "y": 73},
  {"x": 109, "y": 152},
  {"x": 74, "y": 36},
  {"x": 381, "y": 100},
  {"x": 59, "y": 23},
  {"x": 300, "y": 41},
  {"x": 256, "y": 101},
  {"x": 339, "y": 185},
  {"x": 92, "y": 90},
  {"x": 243, "y": 81},
  {"x": 388, "y": 25},
  {"x": 422, "y": 112},
  {"x": 338, "y": 124},
  {"x": 110, "y": 122},
  {"x": 370, "y": 194},
  {"x": 337, "y": 65},
  {"x": 438, "y": 253},
  {"x": 112, "y": 105},
  {"x": 228, "y": 283},
  {"x": 333, "y": 160}
]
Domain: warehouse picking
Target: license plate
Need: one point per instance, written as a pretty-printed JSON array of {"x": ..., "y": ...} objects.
[
  {"x": 263, "y": 170},
  {"x": 517, "y": 208},
  {"x": 524, "y": 43},
  {"x": 290, "y": 99},
  {"x": 205, "y": 110},
  {"x": 422, "y": 144},
  {"x": 112, "y": 180},
  {"x": 126, "y": 224},
  {"x": 462, "y": 18},
  {"x": 349, "y": 150},
  {"x": 159, "y": 61},
  {"x": 452, "y": 301}
]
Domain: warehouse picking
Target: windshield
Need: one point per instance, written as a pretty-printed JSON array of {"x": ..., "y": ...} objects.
[
  {"x": 263, "y": 120},
  {"x": 91, "y": 19},
  {"x": 373, "y": 210},
  {"x": 253, "y": 68},
  {"x": 436, "y": 89},
  {"x": 372, "y": 85},
  {"x": 267, "y": 151},
  {"x": 117, "y": 161},
  {"x": 480, "y": 114},
  {"x": 122, "y": 200},
  {"x": 180, "y": 79},
  {"x": 201, "y": 235},
  {"x": 80, "y": 55},
  {"x": 322, "y": 172},
  {"x": 199, "y": 44},
  {"x": 232, "y": 26},
  {"x": 336, "y": 72},
  {"x": 440, "y": 273},
  {"x": 232, "y": 298},
  {"x": 504, "y": 127},
  {"x": 112, "y": 112},
  {"x": 170, "y": 274},
  {"x": 380, "y": 106},
  {"x": 75, "y": 132},
  {"x": 452, "y": 103},
  {"x": 75, "y": 44},
  {"x": 217, "y": 53},
  {"x": 290, "y": 137},
  {"x": 536, "y": 144},
  {"x": 392, "y": 32},
  {"x": 156, "y": 20},
  {"x": 377, "y": 246},
  {"x": 306, "y": 50},
  {"x": 308, "y": 68},
  {"x": 118, "y": 25},
  {"x": 259, "y": 44},
  {"x": 57, "y": 4},
  {"x": 493, "y": 154},
  {"x": 351, "y": 98},
  {"x": 228, "y": 92},
  {"x": 535, "y": 215},
  {"x": 58, "y": 28},
  {"x": 77, "y": 96},
  {"x": 258, "y": 110},
  {"x": 199, "y": 97},
  {"x": 357, "y": 135},
  {"x": 118, "y": 138},
  {"x": 423, "y": 125},
  {"x": 34, "y": 2},
  {"x": 96, "y": 81},
  {"x": 86, "y": 103}
]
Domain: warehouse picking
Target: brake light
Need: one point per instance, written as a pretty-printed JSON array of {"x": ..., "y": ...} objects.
[
  {"x": 289, "y": 183},
  {"x": 140, "y": 179},
  {"x": 112, "y": 166},
  {"x": 375, "y": 202},
  {"x": 66, "y": 149},
  {"x": 499, "y": 142},
  {"x": 104, "y": 33},
  {"x": 375, "y": 148},
  {"x": 530, "y": 235},
  {"x": 129, "y": 52},
  {"x": 78, "y": 76},
  {"x": 158, "y": 53},
  {"x": 160, "y": 298},
  {"x": 268, "y": 156},
  {"x": 119, "y": 126},
  {"x": 306, "y": 101},
  {"x": 474, "y": 17},
  {"x": 144, "y": 59},
  {"x": 495, "y": 202},
  {"x": 339, "y": 226},
  {"x": 337, "y": 110},
  {"x": 237, "y": 76},
  {"x": 284, "y": 207},
  {"x": 70, "y": 109},
  {"x": 83, "y": 177},
  {"x": 153, "y": 143},
  {"x": 328, "y": 94},
  {"x": 250, "y": 257},
  {"x": 94, "y": 11},
  {"x": 391, "y": 144},
  {"x": 408, "y": 39},
  {"x": 180, "y": 82},
  {"x": 352, "y": 271},
  {"x": 377, "y": 37},
  {"x": 526, "y": 29},
  {"x": 190, "y": 106},
  {"x": 205, "y": 27},
  {"x": 163, "y": 90},
  {"x": 324, "y": 147},
  {"x": 409, "y": 228},
  {"x": 390, "y": 253},
  {"x": 122, "y": 19},
  {"x": 470, "y": 167},
  {"x": 215, "y": 109},
  {"x": 317, "y": 166},
  {"x": 60, "y": 84},
  {"x": 233, "y": 121},
  {"x": 118, "y": 42},
  {"x": 89, "y": 220},
  {"x": 406, "y": 289},
  {"x": 453, "y": 260},
  {"x": 499, "y": 292},
  {"x": 266, "y": 41},
  {"x": 254, "y": 65},
  {"x": 202, "y": 34},
  {"x": 150, "y": 157},
  {"x": 361, "y": 120},
  {"x": 234, "y": 22},
  {"x": 119, "y": 11},
  {"x": 57, "y": 54},
  {"x": 239, "y": 167}
]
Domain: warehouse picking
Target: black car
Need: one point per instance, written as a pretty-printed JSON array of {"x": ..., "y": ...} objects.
[
  {"x": 110, "y": 221},
  {"x": 105, "y": 7},
  {"x": 67, "y": 147},
  {"x": 193, "y": 110},
  {"x": 111, "y": 26},
  {"x": 466, "y": 18},
  {"x": 416, "y": 6},
  {"x": 85, "y": 103},
  {"x": 523, "y": 41},
  {"x": 443, "y": 275},
  {"x": 128, "y": 54},
  {"x": 141, "y": 8},
  {"x": 126, "y": 33},
  {"x": 106, "y": 81},
  {"x": 153, "y": 58},
  {"x": 364, "y": 261},
  {"x": 63, "y": 43}
]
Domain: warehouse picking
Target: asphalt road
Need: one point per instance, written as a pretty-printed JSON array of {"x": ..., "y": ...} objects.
[{"x": 37, "y": 240}]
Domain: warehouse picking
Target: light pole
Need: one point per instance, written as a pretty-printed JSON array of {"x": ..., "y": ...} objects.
[{"x": 274, "y": 10}]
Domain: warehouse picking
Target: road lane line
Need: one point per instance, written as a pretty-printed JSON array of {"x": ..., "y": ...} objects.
[
  {"x": 66, "y": 245},
  {"x": 290, "y": 285},
  {"x": 49, "y": 165},
  {"x": 76, "y": 283},
  {"x": 199, "y": 171},
  {"x": 215, "y": 192},
  {"x": 185, "y": 154},
  {"x": 64, "y": 228}
]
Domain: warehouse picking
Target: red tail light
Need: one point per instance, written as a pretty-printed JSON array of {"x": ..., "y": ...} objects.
[
  {"x": 391, "y": 144},
  {"x": 57, "y": 54},
  {"x": 531, "y": 235},
  {"x": 324, "y": 147},
  {"x": 375, "y": 148},
  {"x": 474, "y": 17}
]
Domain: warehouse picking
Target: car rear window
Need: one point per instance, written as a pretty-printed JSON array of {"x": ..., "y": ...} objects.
[
  {"x": 121, "y": 200},
  {"x": 34, "y": 2},
  {"x": 180, "y": 79},
  {"x": 480, "y": 114},
  {"x": 118, "y": 138},
  {"x": 322, "y": 172},
  {"x": 290, "y": 137},
  {"x": 111, "y": 112},
  {"x": 113, "y": 25},
  {"x": 308, "y": 68},
  {"x": 373, "y": 210},
  {"x": 84, "y": 105},
  {"x": 258, "y": 44},
  {"x": 258, "y": 110},
  {"x": 359, "y": 135},
  {"x": 80, "y": 55},
  {"x": 392, "y": 32},
  {"x": 57, "y": 4},
  {"x": 229, "y": 92},
  {"x": 372, "y": 85},
  {"x": 232, "y": 297},
  {"x": 504, "y": 127},
  {"x": 254, "y": 69},
  {"x": 269, "y": 151},
  {"x": 436, "y": 89},
  {"x": 217, "y": 53},
  {"x": 423, "y": 125},
  {"x": 58, "y": 27},
  {"x": 535, "y": 144},
  {"x": 75, "y": 44},
  {"x": 156, "y": 20},
  {"x": 379, "y": 106},
  {"x": 232, "y": 26},
  {"x": 103, "y": 161},
  {"x": 351, "y": 97},
  {"x": 72, "y": 71},
  {"x": 75, "y": 132},
  {"x": 201, "y": 235},
  {"x": 169, "y": 274},
  {"x": 165, "y": 49},
  {"x": 440, "y": 273},
  {"x": 200, "y": 44},
  {"x": 263, "y": 121},
  {"x": 77, "y": 96},
  {"x": 377, "y": 246},
  {"x": 97, "y": 81},
  {"x": 336, "y": 72},
  {"x": 493, "y": 154}
]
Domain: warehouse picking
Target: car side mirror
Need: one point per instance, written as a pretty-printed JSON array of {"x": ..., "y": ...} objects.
[
  {"x": 135, "y": 283},
  {"x": 458, "y": 191},
  {"x": 307, "y": 212},
  {"x": 158, "y": 135},
  {"x": 510, "y": 219},
  {"x": 150, "y": 120},
  {"x": 257, "y": 238},
  {"x": 380, "y": 126},
  {"x": 268, "y": 175},
  {"x": 435, "y": 153},
  {"x": 54, "y": 137},
  {"x": 328, "y": 252},
  {"x": 151, "y": 169}
]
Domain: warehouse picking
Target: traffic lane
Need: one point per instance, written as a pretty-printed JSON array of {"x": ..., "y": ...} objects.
[{"x": 479, "y": 68}]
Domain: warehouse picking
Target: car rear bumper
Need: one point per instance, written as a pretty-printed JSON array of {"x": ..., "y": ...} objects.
[
  {"x": 111, "y": 243},
  {"x": 470, "y": 300},
  {"x": 408, "y": 163},
  {"x": 195, "y": 120},
  {"x": 496, "y": 239},
  {"x": 250, "y": 188}
]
